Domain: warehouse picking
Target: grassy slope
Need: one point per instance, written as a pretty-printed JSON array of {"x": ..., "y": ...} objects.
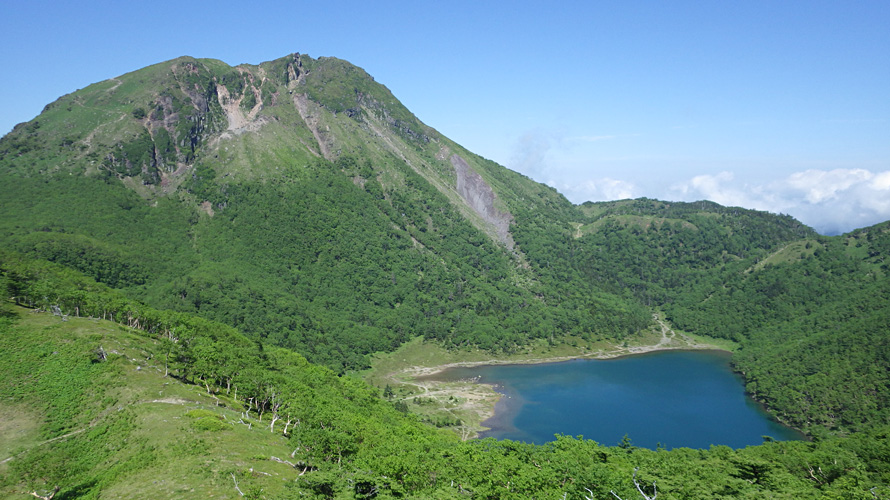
[{"x": 118, "y": 426}]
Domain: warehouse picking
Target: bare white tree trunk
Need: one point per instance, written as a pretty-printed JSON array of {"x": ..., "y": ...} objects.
[
  {"x": 275, "y": 418},
  {"x": 48, "y": 496},
  {"x": 639, "y": 488},
  {"x": 236, "y": 486}
]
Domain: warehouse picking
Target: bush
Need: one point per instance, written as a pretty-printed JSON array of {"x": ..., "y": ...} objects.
[
  {"x": 200, "y": 413},
  {"x": 210, "y": 424},
  {"x": 206, "y": 420}
]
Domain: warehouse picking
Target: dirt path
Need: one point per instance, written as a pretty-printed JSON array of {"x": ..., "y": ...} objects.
[
  {"x": 88, "y": 140},
  {"x": 762, "y": 262},
  {"x": 690, "y": 343},
  {"x": 175, "y": 401},
  {"x": 57, "y": 438},
  {"x": 665, "y": 340},
  {"x": 578, "y": 227}
]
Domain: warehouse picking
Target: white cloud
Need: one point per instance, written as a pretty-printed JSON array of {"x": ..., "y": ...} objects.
[
  {"x": 530, "y": 153},
  {"x": 820, "y": 185},
  {"x": 723, "y": 189},
  {"x": 831, "y": 201},
  {"x": 541, "y": 154},
  {"x": 598, "y": 190},
  {"x": 882, "y": 181}
]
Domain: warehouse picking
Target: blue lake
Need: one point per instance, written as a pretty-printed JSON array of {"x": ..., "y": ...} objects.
[{"x": 675, "y": 398}]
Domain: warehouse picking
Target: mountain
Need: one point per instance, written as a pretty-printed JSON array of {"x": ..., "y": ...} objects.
[
  {"x": 306, "y": 186},
  {"x": 299, "y": 203}
]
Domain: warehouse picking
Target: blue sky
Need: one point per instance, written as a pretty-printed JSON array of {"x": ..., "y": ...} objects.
[{"x": 780, "y": 106}]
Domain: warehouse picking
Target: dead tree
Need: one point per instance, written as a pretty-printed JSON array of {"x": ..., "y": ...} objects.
[
  {"x": 57, "y": 311},
  {"x": 637, "y": 484},
  {"x": 48, "y": 496},
  {"x": 275, "y": 403},
  {"x": 289, "y": 421},
  {"x": 236, "y": 486}
]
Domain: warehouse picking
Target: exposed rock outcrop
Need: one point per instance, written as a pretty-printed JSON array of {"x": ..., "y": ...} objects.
[
  {"x": 309, "y": 113},
  {"x": 481, "y": 198},
  {"x": 239, "y": 123}
]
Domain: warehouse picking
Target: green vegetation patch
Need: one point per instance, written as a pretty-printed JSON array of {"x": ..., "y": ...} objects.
[{"x": 206, "y": 420}]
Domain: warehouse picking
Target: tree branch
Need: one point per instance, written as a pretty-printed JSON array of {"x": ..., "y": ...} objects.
[
  {"x": 236, "y": 485},
  {"x": 637, "y": 484},
  {"x": 276, "y": 459}
]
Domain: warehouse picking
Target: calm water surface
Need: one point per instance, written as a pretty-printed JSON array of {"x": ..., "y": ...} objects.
[{"x": 676, "y": 398}]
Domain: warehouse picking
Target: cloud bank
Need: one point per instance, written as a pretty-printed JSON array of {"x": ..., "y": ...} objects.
[{"x": 830, "y": 201}]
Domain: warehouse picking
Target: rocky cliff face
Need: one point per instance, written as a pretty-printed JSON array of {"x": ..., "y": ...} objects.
[{"x": 481, "y": 198}]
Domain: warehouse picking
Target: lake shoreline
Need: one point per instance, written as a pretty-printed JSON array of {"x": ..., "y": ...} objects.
[
  {"x": 498, "y": 418},
  {"x": 485, "y": 405},
  {"x": 411, "y": 371},
  {"x": 426, "y": 371}
]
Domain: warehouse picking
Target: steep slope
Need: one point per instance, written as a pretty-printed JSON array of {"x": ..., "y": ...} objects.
[
  {"x": 813, "y": 319},
  {"x": 253, "y": 195}
]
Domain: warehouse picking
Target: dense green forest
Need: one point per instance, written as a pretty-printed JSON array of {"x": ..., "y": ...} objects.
[
  {"x": 265, "y": 229},
  {"x": 170, "y": 404}
]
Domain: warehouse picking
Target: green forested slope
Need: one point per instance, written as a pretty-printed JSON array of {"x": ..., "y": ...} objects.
[
  {"x": 814, "y": 321},
  {"x": 90, "y": 414},
  {"x": 810, "y": 313},
  {"x": 659, "y": 250}
]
